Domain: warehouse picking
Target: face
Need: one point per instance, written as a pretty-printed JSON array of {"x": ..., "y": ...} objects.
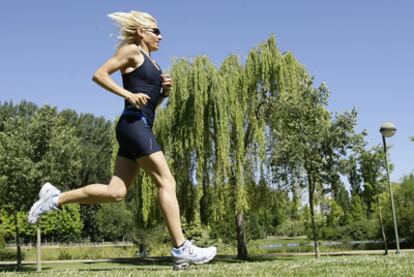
[{"x": 151, "y": 37}]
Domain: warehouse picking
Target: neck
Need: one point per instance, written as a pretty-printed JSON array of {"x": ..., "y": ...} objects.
[{"x": 145, "y": 50}]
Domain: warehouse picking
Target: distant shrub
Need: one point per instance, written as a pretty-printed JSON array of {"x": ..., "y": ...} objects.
[
  {"x": 2, "y": 240},
  {"x": 9, "y": 255}
]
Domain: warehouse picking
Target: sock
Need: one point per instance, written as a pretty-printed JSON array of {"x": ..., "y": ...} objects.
[{"x": 178, "y": 247}]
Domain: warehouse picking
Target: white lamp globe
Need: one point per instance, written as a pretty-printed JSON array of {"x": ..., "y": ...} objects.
[{"x": 388, "y": 129}]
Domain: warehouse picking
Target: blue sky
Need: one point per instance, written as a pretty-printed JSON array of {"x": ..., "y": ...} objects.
[{"x": 363, "y": 50}]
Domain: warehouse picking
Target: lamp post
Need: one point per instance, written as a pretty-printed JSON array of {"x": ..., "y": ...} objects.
[{"x": 388, "y": 130}]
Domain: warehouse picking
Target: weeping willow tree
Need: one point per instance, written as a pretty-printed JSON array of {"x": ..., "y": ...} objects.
[
  {"x": 194, "y": 133},
  {"x": 250, "y": 89},
  {"x": 213, "y": 132}
]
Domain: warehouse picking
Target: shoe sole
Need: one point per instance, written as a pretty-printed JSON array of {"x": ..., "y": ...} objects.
[{"x": 181, "y": 264}]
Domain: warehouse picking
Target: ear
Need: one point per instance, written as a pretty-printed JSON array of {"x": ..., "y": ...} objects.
[{"x": 140, "y": 33}]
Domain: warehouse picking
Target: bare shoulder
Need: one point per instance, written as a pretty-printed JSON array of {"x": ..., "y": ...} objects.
[
  {"x": 128, "y": 49},
  {"x": 130, "y": 52}
]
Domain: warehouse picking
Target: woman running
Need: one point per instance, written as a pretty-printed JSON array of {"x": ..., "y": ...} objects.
[{"x": 144, "y": 88}]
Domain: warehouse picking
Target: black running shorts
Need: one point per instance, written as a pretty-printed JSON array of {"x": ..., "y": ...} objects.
[{"x": 135, "y": 137}]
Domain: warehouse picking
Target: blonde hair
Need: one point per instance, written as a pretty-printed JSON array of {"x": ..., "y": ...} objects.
[{"x": 128, "y": 24}]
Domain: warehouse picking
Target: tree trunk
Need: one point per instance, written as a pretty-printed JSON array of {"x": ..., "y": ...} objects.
[
  {"x": 241, "y": 238},
  {"x": 19, "y": 250},
  {"x": 311, "y": 186},
  {"x": 382, "y": 228}
]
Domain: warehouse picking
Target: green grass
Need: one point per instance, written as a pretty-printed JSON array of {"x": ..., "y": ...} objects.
[
  {"x": 159, "y": 249},
  {"x": 89, "y": 252},
  {"x": 359, "y": 265}
]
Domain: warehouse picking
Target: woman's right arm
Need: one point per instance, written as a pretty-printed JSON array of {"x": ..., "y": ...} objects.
[{"x": 125, "y": 57}]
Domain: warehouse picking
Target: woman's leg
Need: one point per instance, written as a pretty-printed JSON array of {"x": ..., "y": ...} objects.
[
  {"x": 157, "y": 168},
  {"x": 124, "y": 174}
]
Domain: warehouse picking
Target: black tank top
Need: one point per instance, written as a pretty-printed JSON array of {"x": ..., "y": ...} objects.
[{"x": 144, "y": 79}]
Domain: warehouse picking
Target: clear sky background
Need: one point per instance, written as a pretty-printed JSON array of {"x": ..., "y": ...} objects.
[{"x": 363, "y": 50}]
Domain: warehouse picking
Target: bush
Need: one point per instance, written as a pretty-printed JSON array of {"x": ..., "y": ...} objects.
[
  {"x": 9, "y": 255},
  {"x": 254, "y": 229},
  {"x": 329, "y": 233},
  {"x": 152, "y": 241},
  {"x": 197, "y": 232},
  {"x": 2, "y": 240},
  {"x": 364, "y": 229},
  {"x": 291, "y": 228},
  {"x": 64, "y": 254}
]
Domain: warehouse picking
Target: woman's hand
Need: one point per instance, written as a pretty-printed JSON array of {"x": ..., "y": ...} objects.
[
  {"x": 138, "y": 99},
  {"x": 167, "y": 84}
]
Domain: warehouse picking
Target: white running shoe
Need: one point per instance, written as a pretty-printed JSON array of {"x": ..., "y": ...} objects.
[
  {"x": 44, "y": 204},
  {"x": 189, "y": 253}
]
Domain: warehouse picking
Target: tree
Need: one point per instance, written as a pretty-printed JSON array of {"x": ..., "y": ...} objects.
[
  {"x": 403, "y": 199},
  {"x": 310, "y": 142},
  {"x": 194, "y": 132},
  {"x": 32, "y": 151},
  {"x": 226, "y": 122},
  {"x": 373, "y": 175},
  {"x": 24, "y": 109},
  {"x": 97, "y": 147},
  {"x": 114, "y": 222}
]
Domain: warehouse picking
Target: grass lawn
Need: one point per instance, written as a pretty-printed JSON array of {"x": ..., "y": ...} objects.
[{"x": 270, "y": 265}]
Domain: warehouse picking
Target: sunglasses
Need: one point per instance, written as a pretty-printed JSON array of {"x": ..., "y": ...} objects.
[{"x": 155, "y": 31}]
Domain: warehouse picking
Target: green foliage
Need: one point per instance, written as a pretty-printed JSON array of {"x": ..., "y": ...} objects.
[
  {"x": 403, "y": 200},
  {"x": 255, "y": 230},
  {"x": 142, "y": 203},
  {"x": 360, "y": 230},
  {"x": 32, "y": 151},
  {"x": 197, "y": 232},
  {"x": 96, "y": 136},
  {"x": 114, "y": 222},
  {"x": 9, "y": 254},
  {"x": 2, "y": 240},
  {"x": 152, "y": 240},
  {"x": 64, "y": 254},
  {"x": 224, "y": 230},
  {"x": 308, "y": 142},
  {"x": 65, "y": 225},
  {"x": 226, "y": 127},
  {"x": 290, "y": 228},
  {"x": 98, "y": 146},
  {"x": 358, "y": 211},
  {"x": 9, "y": 228},
  {"x": 336, "y": 215}
]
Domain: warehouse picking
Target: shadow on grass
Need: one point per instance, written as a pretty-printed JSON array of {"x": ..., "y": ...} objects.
[
  {"x": 23, "y": 268},
  {"x": 147, "y": 263},
  {"x": 168, "y": 261}
]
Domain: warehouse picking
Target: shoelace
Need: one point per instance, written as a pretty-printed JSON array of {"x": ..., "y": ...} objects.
[{"x": 190, "y": 248}]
